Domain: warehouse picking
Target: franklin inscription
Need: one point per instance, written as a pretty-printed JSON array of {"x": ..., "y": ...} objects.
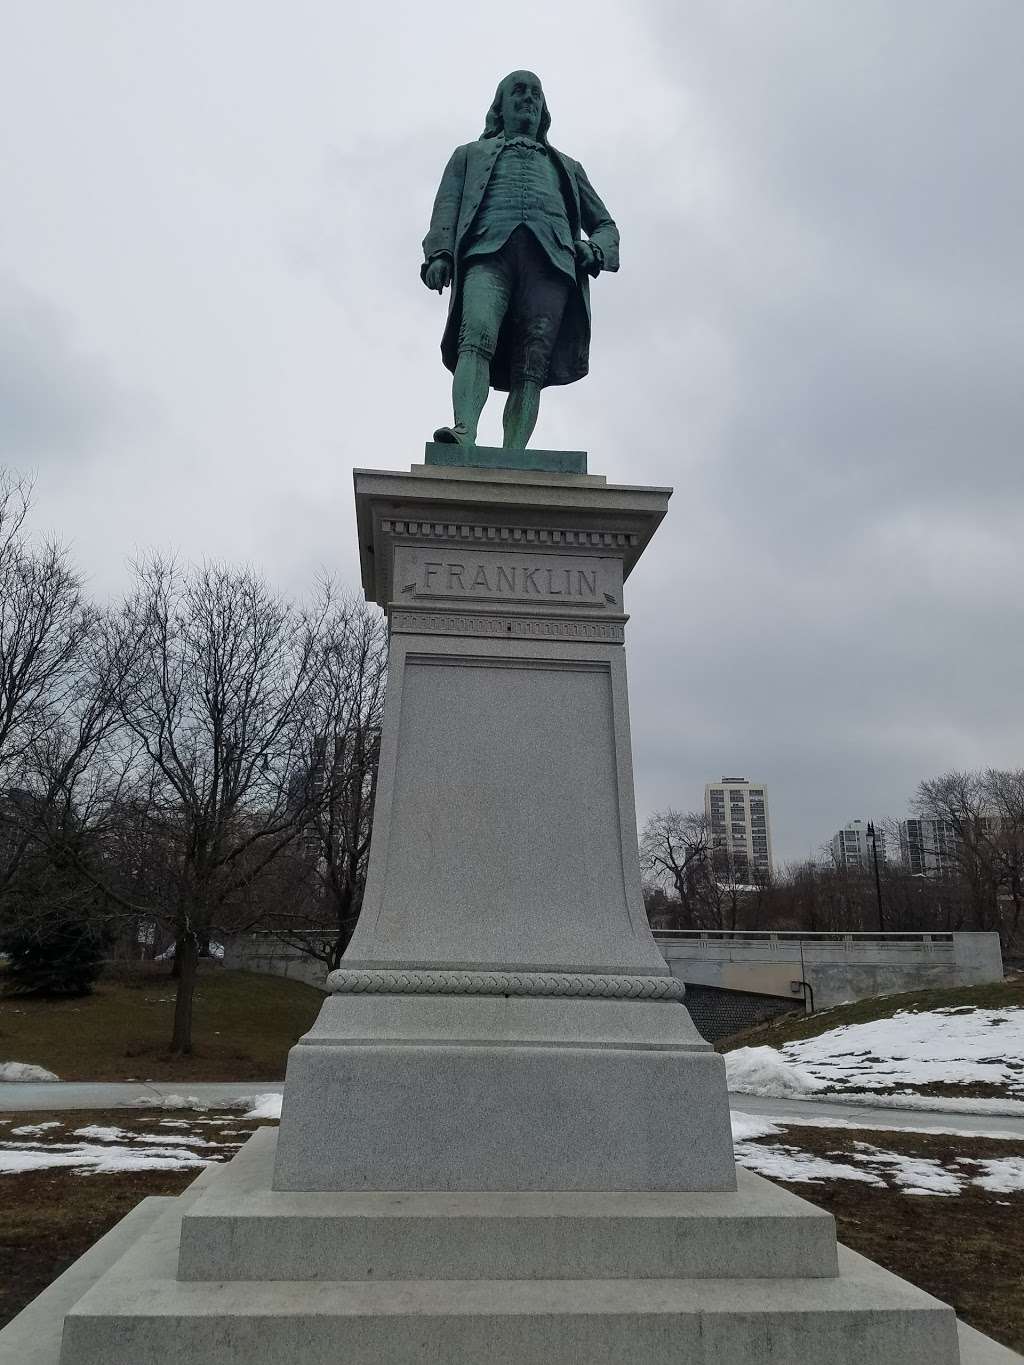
[{"x": 482, "y": 576}]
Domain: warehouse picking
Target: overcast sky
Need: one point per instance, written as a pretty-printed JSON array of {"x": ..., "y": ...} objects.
[{"x": 210, "y": 311}]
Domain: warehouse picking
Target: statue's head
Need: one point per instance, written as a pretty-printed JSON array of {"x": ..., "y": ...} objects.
[{"x": 519, "y": 106}]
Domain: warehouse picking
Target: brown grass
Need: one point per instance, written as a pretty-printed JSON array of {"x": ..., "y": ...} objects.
[
  {"x": 244, "y": 1025},
  {"x": 50, "y": 1218}
]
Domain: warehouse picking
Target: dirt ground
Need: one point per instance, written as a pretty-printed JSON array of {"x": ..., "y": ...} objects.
[{"x": 49, "y": 1218}]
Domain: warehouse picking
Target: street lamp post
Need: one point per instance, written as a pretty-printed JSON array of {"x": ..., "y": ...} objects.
[{"x": 878, "y": 881}]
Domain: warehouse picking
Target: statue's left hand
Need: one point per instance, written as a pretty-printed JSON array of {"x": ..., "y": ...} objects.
[{"x": 586, "y": 256}]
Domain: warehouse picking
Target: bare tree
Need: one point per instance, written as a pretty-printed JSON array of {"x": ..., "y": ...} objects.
[
  {"x": 45, "y": 625},
  {"x": 1003, "y": 793},
  {"x": 216, "y": 681},
  {"x": 334, "y": 851},
  {"x": 58, "y": 720},
  {"x": 674, "y": 852},
  {"x": 964, "y": 801}
]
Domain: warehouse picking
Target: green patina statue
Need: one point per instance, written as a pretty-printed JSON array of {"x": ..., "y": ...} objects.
[{"x": 506, "y": 234}]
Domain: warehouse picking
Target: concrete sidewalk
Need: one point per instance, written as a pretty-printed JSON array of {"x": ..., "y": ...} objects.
[
  {"x": 884, "y": 1116},
  {"x": 16, "y": 1096}
]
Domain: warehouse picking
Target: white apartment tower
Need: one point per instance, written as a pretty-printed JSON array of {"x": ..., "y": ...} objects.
[
  {"x": 851, "y": 845},
  {"x": 738, "y": 831},
  {"x": 928, "y": 847}
]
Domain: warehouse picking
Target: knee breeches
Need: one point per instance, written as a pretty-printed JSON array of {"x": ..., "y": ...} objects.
[{"x": 518, "y": 289}]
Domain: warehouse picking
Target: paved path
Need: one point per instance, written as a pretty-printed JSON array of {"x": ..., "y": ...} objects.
[
  {"x": 18, "y": 1095},
  {"x": 888, "y": 1116}
]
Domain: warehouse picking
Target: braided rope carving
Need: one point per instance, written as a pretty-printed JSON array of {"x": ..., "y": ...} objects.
[{"x": 608, "y": 987}]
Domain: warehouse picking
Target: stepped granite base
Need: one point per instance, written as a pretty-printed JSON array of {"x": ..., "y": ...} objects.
[{"x": 234, "y": 1271}]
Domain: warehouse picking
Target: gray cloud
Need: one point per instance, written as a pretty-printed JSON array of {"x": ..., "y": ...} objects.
[
  {"x": 55, "y": 400},
  {"x": 815, "y": 336}
]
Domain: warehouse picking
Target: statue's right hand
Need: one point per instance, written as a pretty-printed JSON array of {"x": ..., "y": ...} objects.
[{"x": 438, "y": 273}]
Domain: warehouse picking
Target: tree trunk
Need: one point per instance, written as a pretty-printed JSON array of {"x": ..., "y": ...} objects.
[{"x": 186, "y": 957}]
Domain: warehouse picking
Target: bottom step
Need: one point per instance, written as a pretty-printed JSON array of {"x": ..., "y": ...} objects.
[{"x": 138, "y": 1314}]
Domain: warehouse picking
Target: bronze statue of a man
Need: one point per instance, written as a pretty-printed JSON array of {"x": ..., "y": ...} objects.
[{"x": 506, "y": 234}]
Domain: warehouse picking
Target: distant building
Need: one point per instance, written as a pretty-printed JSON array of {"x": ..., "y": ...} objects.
[
  {"x": 928, "y": 847},
  {"x": 851, "y": 845},
  {"x": 739, "y": 835}
]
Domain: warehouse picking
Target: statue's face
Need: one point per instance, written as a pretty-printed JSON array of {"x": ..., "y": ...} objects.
[{"x": 522, "y": 101}]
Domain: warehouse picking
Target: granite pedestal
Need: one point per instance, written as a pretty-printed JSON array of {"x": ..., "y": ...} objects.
[
  {"x": 503, "y": 1012},
  {"x": 503, "y": 1138}
]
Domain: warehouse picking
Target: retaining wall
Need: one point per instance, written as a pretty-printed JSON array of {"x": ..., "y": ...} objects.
[{"x": 836, "y": 967}]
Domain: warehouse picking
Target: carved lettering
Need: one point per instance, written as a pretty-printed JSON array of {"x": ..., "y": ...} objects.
[{"x": 489, "y": 575}]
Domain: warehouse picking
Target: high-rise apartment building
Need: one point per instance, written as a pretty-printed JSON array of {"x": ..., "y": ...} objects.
[
  {"x": 851, "y": 845},
  {"x": 739, "y": 835},
  {"x": 928, "y": 847}
]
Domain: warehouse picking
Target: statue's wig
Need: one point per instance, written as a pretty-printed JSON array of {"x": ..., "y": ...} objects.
[{"x": 495, "y": 124}]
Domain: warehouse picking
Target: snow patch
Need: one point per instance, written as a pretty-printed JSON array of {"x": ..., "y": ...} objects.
[
  {"x": 763, "y": 1071},
  {"x": 790, "y": 1163},
  {"x": 30, "y": 1129},
  {"x": 264, "y": 1107},
  {"x": 915, "y": 1175},
  {"x": 955, "y": 1046},
  {"x": 1002, "y": 1175},
  {"x": 99, "y": 1134},
  {"x": 748, "y": 1126},
  {"x": 24, "y": 1071},
  {"x": 92, "y": 1159}
]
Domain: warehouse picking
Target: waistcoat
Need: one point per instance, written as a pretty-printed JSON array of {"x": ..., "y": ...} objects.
[{"x": 524, "y": 189}]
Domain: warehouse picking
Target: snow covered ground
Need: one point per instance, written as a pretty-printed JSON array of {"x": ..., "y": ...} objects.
[
  {"x": 23, "y": 1072},
  {"x": 869, "y": 1164},
  {"x": 887, "y": 1061},
  {"x": 961, "y": 1046},
  {"x": 101, "y": 1149}
]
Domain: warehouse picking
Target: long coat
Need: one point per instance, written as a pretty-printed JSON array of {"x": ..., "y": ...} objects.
[{"x": 459, "y": 196}]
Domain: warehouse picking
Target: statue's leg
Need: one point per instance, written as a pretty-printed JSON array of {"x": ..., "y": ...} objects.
[
  {"x": 541, "y": 295},
  {"x": 469, "y": 391},
  {"x": 485, "y": 295},
  {"x": 521, "y": 410}
]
